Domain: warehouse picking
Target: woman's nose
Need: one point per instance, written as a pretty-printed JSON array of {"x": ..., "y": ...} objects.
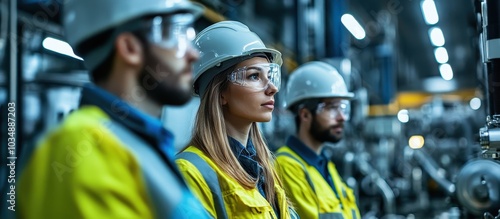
[{"x": 271, "y": 89}]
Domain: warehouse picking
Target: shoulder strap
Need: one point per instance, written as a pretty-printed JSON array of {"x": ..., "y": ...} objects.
[
  {"x": 155, "y": 169},
  {"x": 211, "y": 179},
  {"x": 308, "y": 178}
]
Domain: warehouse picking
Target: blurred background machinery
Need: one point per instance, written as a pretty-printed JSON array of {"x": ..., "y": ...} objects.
[{"x": 424, "y": 136}]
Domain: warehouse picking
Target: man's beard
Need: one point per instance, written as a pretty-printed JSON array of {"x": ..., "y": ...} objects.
[
  {"x": 323, "y": 135},
  {"x": 161, "y": 84}
]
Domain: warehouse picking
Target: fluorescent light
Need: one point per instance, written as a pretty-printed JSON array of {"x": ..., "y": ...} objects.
[
  {"x": 353, "y": 26},
  {"x": 475, "y": 103},
  {"x": 437, "y": 37},
  {"x": 446, "y": 71},
  {"x": 403, "y": 116},
  {"x": 441, "y": 55},
  {"x": 59, "y": 46},
  {"x": 429, "y": 10}
]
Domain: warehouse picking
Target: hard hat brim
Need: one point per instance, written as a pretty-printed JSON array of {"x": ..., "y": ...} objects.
[{"x": 75, "y": 34}]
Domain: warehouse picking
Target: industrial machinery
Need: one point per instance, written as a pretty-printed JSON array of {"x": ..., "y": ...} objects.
[
  {"x": 478, "y": 183},
  {"x": 436, "y": 160},
  {"x": 429, "y": 165}
]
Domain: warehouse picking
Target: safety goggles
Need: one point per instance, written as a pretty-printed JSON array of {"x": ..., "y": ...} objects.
[
  {"x": 334, "y": 109},
  {"x": 257, "y": 77},
  {"x": 173, "y": 32}
]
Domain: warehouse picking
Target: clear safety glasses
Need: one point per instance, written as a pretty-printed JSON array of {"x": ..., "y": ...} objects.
[
  {"x": 334, "y": 109},
  {"x": 257, "y": 76},
  {"x": 173, "y": 32}
]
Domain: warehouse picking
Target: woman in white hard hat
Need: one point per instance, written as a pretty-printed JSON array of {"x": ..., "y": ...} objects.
[{"x": 228, "y": 164}]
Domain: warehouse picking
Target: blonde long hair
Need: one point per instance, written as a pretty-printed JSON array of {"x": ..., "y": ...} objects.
[{"x": 210, "y": 136}]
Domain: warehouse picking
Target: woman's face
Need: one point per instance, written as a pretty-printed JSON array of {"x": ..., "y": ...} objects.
[{"x": 249, "y": 101}]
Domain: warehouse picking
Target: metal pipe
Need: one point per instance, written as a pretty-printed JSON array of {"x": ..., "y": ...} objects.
[
  {"x": 301, "y": 31},
  {"x": 13, "y": 86},
  {"x": 387, "y": 194},
  {"x": 13, "y": 36},
  {"x": 319, "y": 29},
  {"x": 335, "y": 33},
  {"x": 431, "y": 168},
  {"x": 4, "y": 19},
  {"x": 383, "y": 187}
]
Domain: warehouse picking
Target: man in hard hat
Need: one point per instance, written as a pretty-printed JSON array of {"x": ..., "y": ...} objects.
[
  {"x": 112, "y": 158},
  {"x": 319, "y": 99}
]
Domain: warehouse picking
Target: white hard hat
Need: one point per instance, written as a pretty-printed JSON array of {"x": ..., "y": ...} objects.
[
  {"x": 223, "y": 45},
  {"x": 84, "y": 19},
  {"x": 315, "y": 80}
]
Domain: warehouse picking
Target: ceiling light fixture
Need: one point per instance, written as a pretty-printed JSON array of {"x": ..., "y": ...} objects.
[
  {"x": 446, "y": 71},
  {"x": 429, "y": 10},
  {"x": 353, "y": 26},
  {"x": 437, "y": 37},
  {"x": 441, "y": 55},
  {"x": 59, "y": 46}
]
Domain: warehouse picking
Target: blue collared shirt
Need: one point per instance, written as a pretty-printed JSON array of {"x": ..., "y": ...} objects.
[
  {"x": 247, "y": 157},
  {"x": 320, "y": 162}
]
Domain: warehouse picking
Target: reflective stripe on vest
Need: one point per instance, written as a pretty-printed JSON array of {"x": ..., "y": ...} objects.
[
  {"x": 333, "y": 215},
  {"x": 353, "y": 212},
  {"x": 293, "y": 213},
  {"x": 308, "y": 178},
  {"x": 154, "y": 169},
  {"x": 211, "y": 179}
]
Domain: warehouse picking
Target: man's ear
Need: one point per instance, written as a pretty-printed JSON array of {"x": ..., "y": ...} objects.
[
  {"x": 305, "y": 115},
  {"x": 129, "y": 49}
]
